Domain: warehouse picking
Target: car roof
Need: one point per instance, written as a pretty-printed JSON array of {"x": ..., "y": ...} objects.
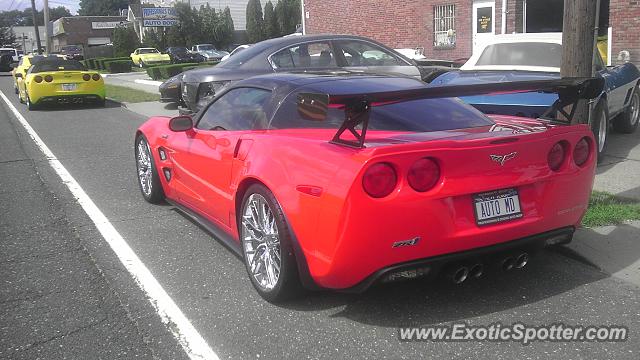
[{"x": 332, "y": 82}]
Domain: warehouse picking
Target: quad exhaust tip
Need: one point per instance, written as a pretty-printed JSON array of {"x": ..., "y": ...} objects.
[
  {"x": 476, "y": 271},
  {"x": 459, "y": 275},
  {"x": 522, "y": 260},
  {"x": 508, "y": 263}
]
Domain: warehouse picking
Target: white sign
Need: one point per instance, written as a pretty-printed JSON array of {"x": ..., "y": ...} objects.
[
  {"x": 159, "y": 13},
  {"x": 104, "y": 24},
  {"x": 152, "y": 23}
]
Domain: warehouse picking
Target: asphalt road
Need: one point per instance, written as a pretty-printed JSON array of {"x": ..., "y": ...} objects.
[{"x": 210, "y": 285}]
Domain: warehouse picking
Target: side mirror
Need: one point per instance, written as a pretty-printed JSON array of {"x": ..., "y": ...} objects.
[
  {"x": 181, "y": 123},
  {"x": 18, "y": 75}
]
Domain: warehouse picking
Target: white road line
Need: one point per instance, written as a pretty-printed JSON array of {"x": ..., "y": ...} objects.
[{"x": 191, "y": 341}]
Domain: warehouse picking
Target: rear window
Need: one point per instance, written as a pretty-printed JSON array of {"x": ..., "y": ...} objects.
[
  {"x": 424, "y": 115},
  {"x": 147, "y": 51},
  {"x": 8, "y": 52},
  {"x": 57, "y": 65},
  {"x": 522, "y": 54}
]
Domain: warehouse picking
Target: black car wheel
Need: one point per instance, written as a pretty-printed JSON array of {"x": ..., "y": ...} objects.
[
  {"x": 30, "y": 105},
  {"x": 148, "y": 177},
  {"x": 627, "y": 122},
  {"x": 600, "y": 127},
  {"x": 266, "y": 246}
]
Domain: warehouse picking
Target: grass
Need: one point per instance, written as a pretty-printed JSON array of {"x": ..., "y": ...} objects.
[
  {"x": 125, "y": 94},
  {"x": 607, "y": 209}
]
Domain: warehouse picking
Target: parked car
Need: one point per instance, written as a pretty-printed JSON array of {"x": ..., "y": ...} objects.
[
  {"x": 56, "y": 80},
  {"x": 6, "y": 62},
  {"x": 181, "y": 55},
  {"x": 235, "y": 51},
  {"x": 294, "y": 53},
  {"x": 10, "y": 51},
  {"x": 539, "y": 56},
  {"x": 209, "y": 52},
  {"x": 149, "y": 56},
  {"x": 72, "y": 52},
  {"x": 369, "y": 178}
]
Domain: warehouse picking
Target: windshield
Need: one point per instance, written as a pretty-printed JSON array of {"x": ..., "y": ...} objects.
[
  {"x": 206, "y": 47},
  {"x": 71, "y": 48},
  {"x": 57, "y": 65},
  {"x": 425, "y": 115},
  {"x": 522, "y": 54},
  {"x": 249, "y": 53},
  {"x": 179, "y": 50},
  {"x": 7, "y": 52},
  {"x": 148, "y": 51}
]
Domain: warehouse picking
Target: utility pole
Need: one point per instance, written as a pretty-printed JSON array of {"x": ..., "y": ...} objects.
[
  {"x": 47, "y": 36},
  {"x": 577, "y": 45},
  {"x": 35, "y": 25}
]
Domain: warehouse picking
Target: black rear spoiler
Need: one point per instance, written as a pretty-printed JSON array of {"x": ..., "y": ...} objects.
[{"x": 313, "y": 106}]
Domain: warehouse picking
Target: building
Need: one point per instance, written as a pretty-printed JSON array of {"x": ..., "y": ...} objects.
[
  {"x": 238, "y": 9},
  {"x": 85, "y": 31},
  {"x": 26, "y": 37},
  {"x": 449, "y": 29}
]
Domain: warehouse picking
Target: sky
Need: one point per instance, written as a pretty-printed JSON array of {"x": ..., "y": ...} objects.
[{"x": 72, "y": 5}]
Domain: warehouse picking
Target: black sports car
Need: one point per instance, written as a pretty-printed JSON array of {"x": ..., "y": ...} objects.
[
  {"x": 181, "y": 55},
  {"x": 292, "y": 53}
]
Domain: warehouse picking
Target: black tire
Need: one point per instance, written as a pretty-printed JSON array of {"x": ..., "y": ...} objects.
[
  {"x": 627, "y": 122},
  {"x": 101, "y": 103},
  {"x": 600, "y": 115},
  {"x": 15, "y": 88},
  {"x": 288, "y": 282},
  {"x": 20, "y": 98},
  {"x": 155, "y": 194},
  {"x": 30, "y": 105},
  {"x": 141, "y": 64}
]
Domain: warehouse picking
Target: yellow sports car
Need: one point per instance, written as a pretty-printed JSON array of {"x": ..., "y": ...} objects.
[
  {"x": 60, "y": 81},
  {"x": 24, "y": 65},
  {"x": 149, "y": 56}
]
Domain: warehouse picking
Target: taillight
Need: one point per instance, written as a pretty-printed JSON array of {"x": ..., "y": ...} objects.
[
  {"x": 379, "y": 180},
  {"x": 95, "y": 77},
  {"x": 556, "y": 157},
  {"x": 581, "y": 152},
  {"x": 86, "y": 77},
  {"x": 48, "y": 78},
  {"x": 38, "y": 79},
  {"x": 423, "y": 174}
]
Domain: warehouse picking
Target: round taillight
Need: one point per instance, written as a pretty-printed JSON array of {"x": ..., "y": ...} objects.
[
  {"x": 556, "y": 157},
  {"x": 379, "y": 180},
  {"x": 38, "y": 79},
  {"x": 581, "y": 152},
  {"x": 86, "y": 77},
  {"x": 95, "y": 77},
  {"x": 423, "y": 174},
  {"x": 48, "y": 78}
]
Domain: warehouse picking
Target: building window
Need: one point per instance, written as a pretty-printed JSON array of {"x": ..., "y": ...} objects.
[{"x": 444, "y": 25}]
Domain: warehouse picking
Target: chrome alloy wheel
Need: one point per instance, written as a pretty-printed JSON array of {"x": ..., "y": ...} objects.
[
  {"x": 602, "y": 130},
  {"x": 635, "y": 108},
  {"x": 143, "y": 162},
  {"x": 261, "y": 242}
]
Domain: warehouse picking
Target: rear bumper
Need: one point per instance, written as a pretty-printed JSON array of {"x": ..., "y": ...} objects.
[{"x": 431, "y": 267}]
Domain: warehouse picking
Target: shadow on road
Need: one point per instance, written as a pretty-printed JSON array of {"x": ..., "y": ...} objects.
[{"x": 619, "y": 147}]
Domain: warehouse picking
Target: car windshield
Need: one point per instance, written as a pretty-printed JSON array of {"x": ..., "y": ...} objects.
[
  {"x": 425, "y": 115},
  {"x": 71, "y": 48},
  {"x": 57, "y": 65},
  {"x": 7, "y": 52},
  {"x": 148, "y": 51},
  {"x": 206, "y": 47},
  {"x": 179, "y": 50},
  {"x": 522, "y": 54},
  {"x": 251, "y": 52}
]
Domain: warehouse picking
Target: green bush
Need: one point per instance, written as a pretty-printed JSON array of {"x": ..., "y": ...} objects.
[
  {"x": 173, "y": 70},
  {"x": 118, "y": 66},
  {"x": 154, "y": 72},
  {"x": 91, "y": 63},
  {"x": 101, "y": 62}
]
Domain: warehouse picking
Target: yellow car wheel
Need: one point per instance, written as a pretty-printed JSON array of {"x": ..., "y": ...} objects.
[{"x": 141, "y": 64}]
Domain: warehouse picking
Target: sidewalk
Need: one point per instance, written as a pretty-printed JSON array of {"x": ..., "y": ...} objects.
[{"x": 135, "y": 80}]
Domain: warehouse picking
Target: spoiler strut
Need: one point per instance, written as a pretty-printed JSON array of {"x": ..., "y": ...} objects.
[{"x": 314, "y": 106}]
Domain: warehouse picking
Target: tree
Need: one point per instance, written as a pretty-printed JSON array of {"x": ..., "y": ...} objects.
[
  {"x": 255, "y": 22},
  {"x": 225, "y": 29},
  {"x": 24, "y": 17},
  {"x": 271, "y": 28},
  {"x": 189, "y": 30},
  {"x": 155, "y": 38},
  {"x": 288, "y": 14},
  {"x": 209, "y": 19},
  {"x": 125, "y": 40},
  {"x": 7, "y": 37},
  {"x": 102, "y": 7}
]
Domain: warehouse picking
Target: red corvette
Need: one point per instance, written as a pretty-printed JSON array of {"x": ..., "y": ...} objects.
[{"x": 338, "y": 182}]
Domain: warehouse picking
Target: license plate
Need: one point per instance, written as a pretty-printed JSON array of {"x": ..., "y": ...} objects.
[
  {"x": 497, "y": 206},
  {"x": 68, "y": 87}
]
